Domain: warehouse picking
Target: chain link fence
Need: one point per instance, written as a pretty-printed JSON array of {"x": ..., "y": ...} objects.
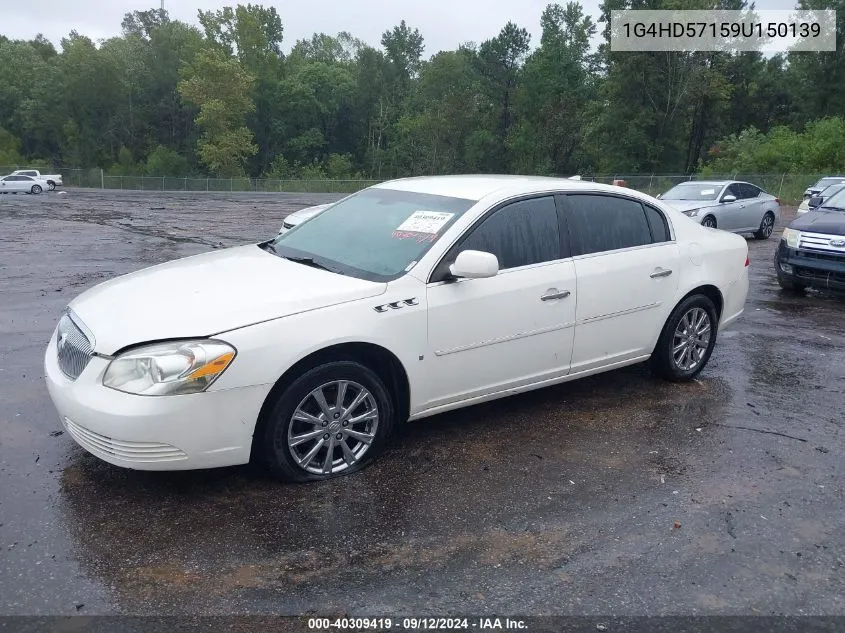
[{"x": 788, "y": 187}]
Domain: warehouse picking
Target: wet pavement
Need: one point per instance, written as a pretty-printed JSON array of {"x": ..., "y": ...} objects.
[{"x": 617, "y": 494}]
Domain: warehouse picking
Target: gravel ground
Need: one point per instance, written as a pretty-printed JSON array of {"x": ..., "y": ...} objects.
[{"x": 617, "y": 494}]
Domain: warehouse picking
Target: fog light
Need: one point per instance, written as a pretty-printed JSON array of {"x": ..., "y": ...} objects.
[{"x": 786, "y": 268}]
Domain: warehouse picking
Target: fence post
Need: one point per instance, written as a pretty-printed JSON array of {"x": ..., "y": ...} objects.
[
  {"x": 650, "y": 183},
  {"x": 206, "y": 185},
  {"x": 231, "y": 184},
  {"x": 102, "y": 180},
  {"x": 186, "y": 184},
  {"x": 121, "y": 183},
  {"x": 781, "y": 184}
]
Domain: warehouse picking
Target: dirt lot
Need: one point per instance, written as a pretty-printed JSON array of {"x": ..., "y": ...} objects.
[{"x": 559, "y": 501}]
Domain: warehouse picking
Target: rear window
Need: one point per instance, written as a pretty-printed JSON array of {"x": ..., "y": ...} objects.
[{"x": 606, "y": 223}]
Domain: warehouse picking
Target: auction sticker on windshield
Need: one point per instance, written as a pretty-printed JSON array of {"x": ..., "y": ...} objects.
[
  {"x": 425, "y": 222},
  {"x": 708, "y": 192}
]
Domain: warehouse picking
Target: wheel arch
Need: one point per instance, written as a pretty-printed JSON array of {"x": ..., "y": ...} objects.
[
  {"x": 379, "y": 359},
  {"x": 708, "y": 290}
]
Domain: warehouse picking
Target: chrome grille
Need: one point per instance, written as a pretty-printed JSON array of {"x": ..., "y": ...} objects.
[
  {"x": 129, "y": 451},
  {"x": 822, "y": 242},
  {"x": 73, "y": 347}
]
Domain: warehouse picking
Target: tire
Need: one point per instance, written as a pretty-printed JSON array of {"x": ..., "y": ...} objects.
[
  {"x": 789, "y": 285},
  {"x": 677, "y": 331},
  {"x": 36, "y": 189},
  {"x": 709, "y": 221},
  {"x": 51, "y": 186},
  {"x": 767, "y": 225},
  {"x": 376, "y": 414}
]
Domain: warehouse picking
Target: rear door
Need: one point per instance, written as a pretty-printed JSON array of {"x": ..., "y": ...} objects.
[
  {"x": 752, "y": 213},
  {"x": 627, "y": 266}
]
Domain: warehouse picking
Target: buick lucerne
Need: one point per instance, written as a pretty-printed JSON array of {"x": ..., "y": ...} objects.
[{"x": 404, "y": 300}]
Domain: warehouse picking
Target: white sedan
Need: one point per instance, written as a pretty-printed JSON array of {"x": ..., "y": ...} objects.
[
  {"x": 22, "y": 184},
  {"x": 298, "y": 217},
  {"x": 404, "y": 300}
]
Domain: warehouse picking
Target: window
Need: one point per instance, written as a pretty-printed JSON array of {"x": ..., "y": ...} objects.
[
  {"x": 749, "y": 191},
  {"x": 606, "y": 223},
  {"x": 657, "y": 224},
  {"x": 519, "y": 234},
  {"x": 733, "y": 190}
]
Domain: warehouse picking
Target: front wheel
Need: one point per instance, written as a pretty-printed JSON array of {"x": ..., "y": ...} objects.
[
  {"x": 36, "y": 189},
  {"x": 709, "y": 222},
  {"x": 333, "y": 420},
  {"x": 687, "y": 340},
  {"x": 767, "y": 225}
]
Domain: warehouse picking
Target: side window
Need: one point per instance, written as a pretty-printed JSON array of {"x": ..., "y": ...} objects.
[
  {"x": 519, "y": 234},
  {"x": 733, "y": 190},
  {"x": 749, "y": 191},
  {"x": 657, "y": 224},
  {"x": 605, "y": 223}
]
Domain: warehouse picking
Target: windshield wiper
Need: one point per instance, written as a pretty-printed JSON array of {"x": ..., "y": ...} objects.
[
  {"x": 308, "y": 261},
  {"x": 831, "y": 208}
]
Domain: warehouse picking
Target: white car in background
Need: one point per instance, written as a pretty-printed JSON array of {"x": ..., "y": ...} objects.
[
  {"x": 16, "y": 183},
  {"x": 730, "y": 205},
  {"x": 404, "y": 300},
  {"x": 818, "y": 199},
  {"x": 298, "y": 217}
]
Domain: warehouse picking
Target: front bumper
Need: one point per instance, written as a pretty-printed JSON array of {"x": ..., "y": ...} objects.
[
  {"x": 810, "y": 268},
  {"x": 184, "y": 432}
]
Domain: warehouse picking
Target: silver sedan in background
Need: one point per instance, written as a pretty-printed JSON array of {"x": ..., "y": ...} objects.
[{"x": 739, "y": 207}]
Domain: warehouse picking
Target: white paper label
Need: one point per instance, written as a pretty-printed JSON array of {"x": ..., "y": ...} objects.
[
  {"x": 425, "y": 222},
  {"x": 708, "y": 192}
]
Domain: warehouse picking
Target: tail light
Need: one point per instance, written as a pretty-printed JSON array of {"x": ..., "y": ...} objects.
[{"x": 747, "y": 262}]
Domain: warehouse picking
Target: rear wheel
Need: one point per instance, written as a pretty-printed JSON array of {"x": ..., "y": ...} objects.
[
  {"x": 709, "y": 221},
  {"x": 687, "y": 340},
  {"x": 767, "y": 225},
  {"x": 36, "y": 189},
  {"x": 333, "y": 420},
  {"x": 50, "y": 185}
]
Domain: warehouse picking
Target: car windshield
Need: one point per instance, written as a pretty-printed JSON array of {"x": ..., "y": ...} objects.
[
  {"x": 827, "y": 192},
  {"x": 693, "y": 191},
  {"x": 826, "y": 182},
  {"x": 836, "y": 201},
  {"x": 376, "y": 234}
]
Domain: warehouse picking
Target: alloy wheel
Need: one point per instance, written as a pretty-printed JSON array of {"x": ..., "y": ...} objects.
[
  {"x": 709, "y": 222},
  {"x": 691, "y": 339},
  {"x": 333, "y": 427},
  {"x": 768, "y": 225}
]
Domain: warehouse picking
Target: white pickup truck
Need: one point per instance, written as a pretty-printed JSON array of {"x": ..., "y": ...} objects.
[{"x": 53, "y": 180}]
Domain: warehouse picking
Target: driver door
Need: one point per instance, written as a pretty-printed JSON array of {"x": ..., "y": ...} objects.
[
  {"x": 515, "y": 328},
  {"x": 730, "y": 215}
]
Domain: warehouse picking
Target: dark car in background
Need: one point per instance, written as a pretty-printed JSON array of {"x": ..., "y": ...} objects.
[
  {"x": 816, "y": 189},
  {"x": 811, "y": 252}
]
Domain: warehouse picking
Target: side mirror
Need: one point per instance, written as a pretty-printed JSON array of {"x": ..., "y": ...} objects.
[
  {"x": 659, "y": 196},
  {"x": 728, "y": 197},
  {"x": 815, "y": 201},
  {"x": 475, "y": 265}
]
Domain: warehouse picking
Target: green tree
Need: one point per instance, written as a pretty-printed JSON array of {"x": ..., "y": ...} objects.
[{"x": 221, "y": 89}]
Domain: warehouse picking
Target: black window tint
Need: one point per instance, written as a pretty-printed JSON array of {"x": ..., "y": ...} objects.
[
  {"x": 733, "y": 190},
  {"x": 659, "y": 228},
  {"x": 605, "y": 223},
  {"x": 519, "y": 234},
  {"x": 749, "y": 191}
]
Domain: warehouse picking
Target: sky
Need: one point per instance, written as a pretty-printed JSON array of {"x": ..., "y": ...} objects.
[{"x": 444, "y": 24}]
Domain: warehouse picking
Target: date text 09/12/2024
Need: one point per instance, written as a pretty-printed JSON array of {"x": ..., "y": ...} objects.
[{"x": 415, "y": 624}]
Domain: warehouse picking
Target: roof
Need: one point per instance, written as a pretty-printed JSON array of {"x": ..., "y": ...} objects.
[{"x": 476, "y": 187}]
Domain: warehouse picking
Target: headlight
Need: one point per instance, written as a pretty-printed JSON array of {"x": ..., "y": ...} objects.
[
  {"x": 691, "y": 212},
  {"x": 166, "y": 369},
  {"x": 792, "y": 237}
]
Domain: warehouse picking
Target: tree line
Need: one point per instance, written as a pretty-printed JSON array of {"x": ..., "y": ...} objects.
[{"x": 223, "y": 98}]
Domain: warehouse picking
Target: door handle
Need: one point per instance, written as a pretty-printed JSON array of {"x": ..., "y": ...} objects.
[
  {"x": 661, "y": 272},
  {"x": 553, "y": 293}
]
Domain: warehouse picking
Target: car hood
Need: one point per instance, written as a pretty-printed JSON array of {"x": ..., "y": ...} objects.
[
  {"x": 821, "y": 221},
  {"x": 688, "y": 205},
  {"x": 208, "y": 294}
]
